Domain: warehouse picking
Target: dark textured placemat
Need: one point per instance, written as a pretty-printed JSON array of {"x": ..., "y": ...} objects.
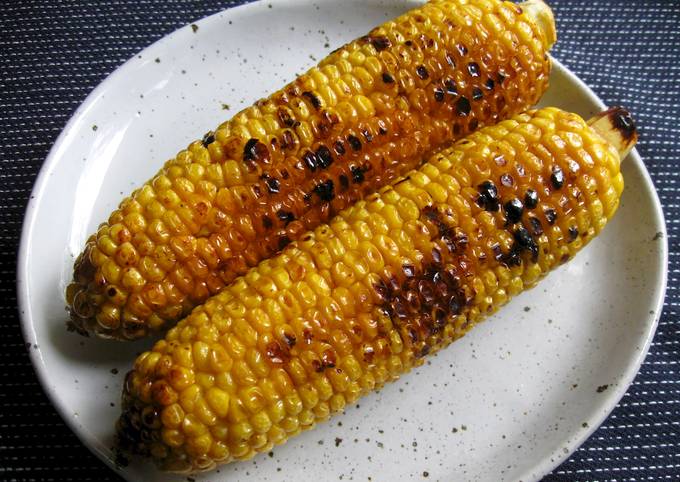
[{"x": 52, "y": 54}]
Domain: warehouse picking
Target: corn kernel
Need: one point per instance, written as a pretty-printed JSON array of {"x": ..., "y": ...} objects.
[{"x": 218, "y": 400}]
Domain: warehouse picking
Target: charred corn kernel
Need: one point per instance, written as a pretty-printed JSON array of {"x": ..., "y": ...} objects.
[
  {"x": 367, "y": 114},
  {"x": 261, "y": 423},
  {"x": 240, "y": 450},
  {"x": 172, "y": 437},
  {"x": 218, "y": 400},
  {"x": 473, "y": 245},
  {"x": 290, "y": 424},
  {"x": 204, "y": 414}
]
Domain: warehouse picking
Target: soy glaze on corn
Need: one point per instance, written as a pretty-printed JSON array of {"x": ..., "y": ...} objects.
[
  {"x": 365, "y": 115},
  {"x": 361, "y": 300}
]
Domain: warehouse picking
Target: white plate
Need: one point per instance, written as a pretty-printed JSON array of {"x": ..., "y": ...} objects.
[{"x": 508, "y": 402}]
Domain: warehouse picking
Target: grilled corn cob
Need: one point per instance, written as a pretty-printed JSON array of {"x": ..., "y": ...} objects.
[
  {"x": 367, "y": 114},
  {"x": 363, "y": 299}
]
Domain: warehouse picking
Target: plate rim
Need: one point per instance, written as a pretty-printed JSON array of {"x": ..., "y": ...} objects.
[{"x": 542, "y": 466}]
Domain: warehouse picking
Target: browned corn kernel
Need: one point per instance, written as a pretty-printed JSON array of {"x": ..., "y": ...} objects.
[
  {"x": 365, "y": 115},
  {"x": 412, "y": 268}
]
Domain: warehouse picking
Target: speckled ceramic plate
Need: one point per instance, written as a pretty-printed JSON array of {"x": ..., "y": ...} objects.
[{"x": 508, "y": 402}]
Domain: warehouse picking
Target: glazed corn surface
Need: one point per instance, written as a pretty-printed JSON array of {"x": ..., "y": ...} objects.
[
  {"x": 367, "y": 114},
  {"x": 361, "y": 300}
]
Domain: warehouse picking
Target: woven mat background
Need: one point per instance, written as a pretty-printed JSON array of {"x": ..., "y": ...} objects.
[{"x": 53, "y": 53}]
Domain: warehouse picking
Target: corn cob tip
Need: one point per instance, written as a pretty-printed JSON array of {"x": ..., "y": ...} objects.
[
  {"x": 543, "y": 17},
  {"x": 617, "y": 127}
]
